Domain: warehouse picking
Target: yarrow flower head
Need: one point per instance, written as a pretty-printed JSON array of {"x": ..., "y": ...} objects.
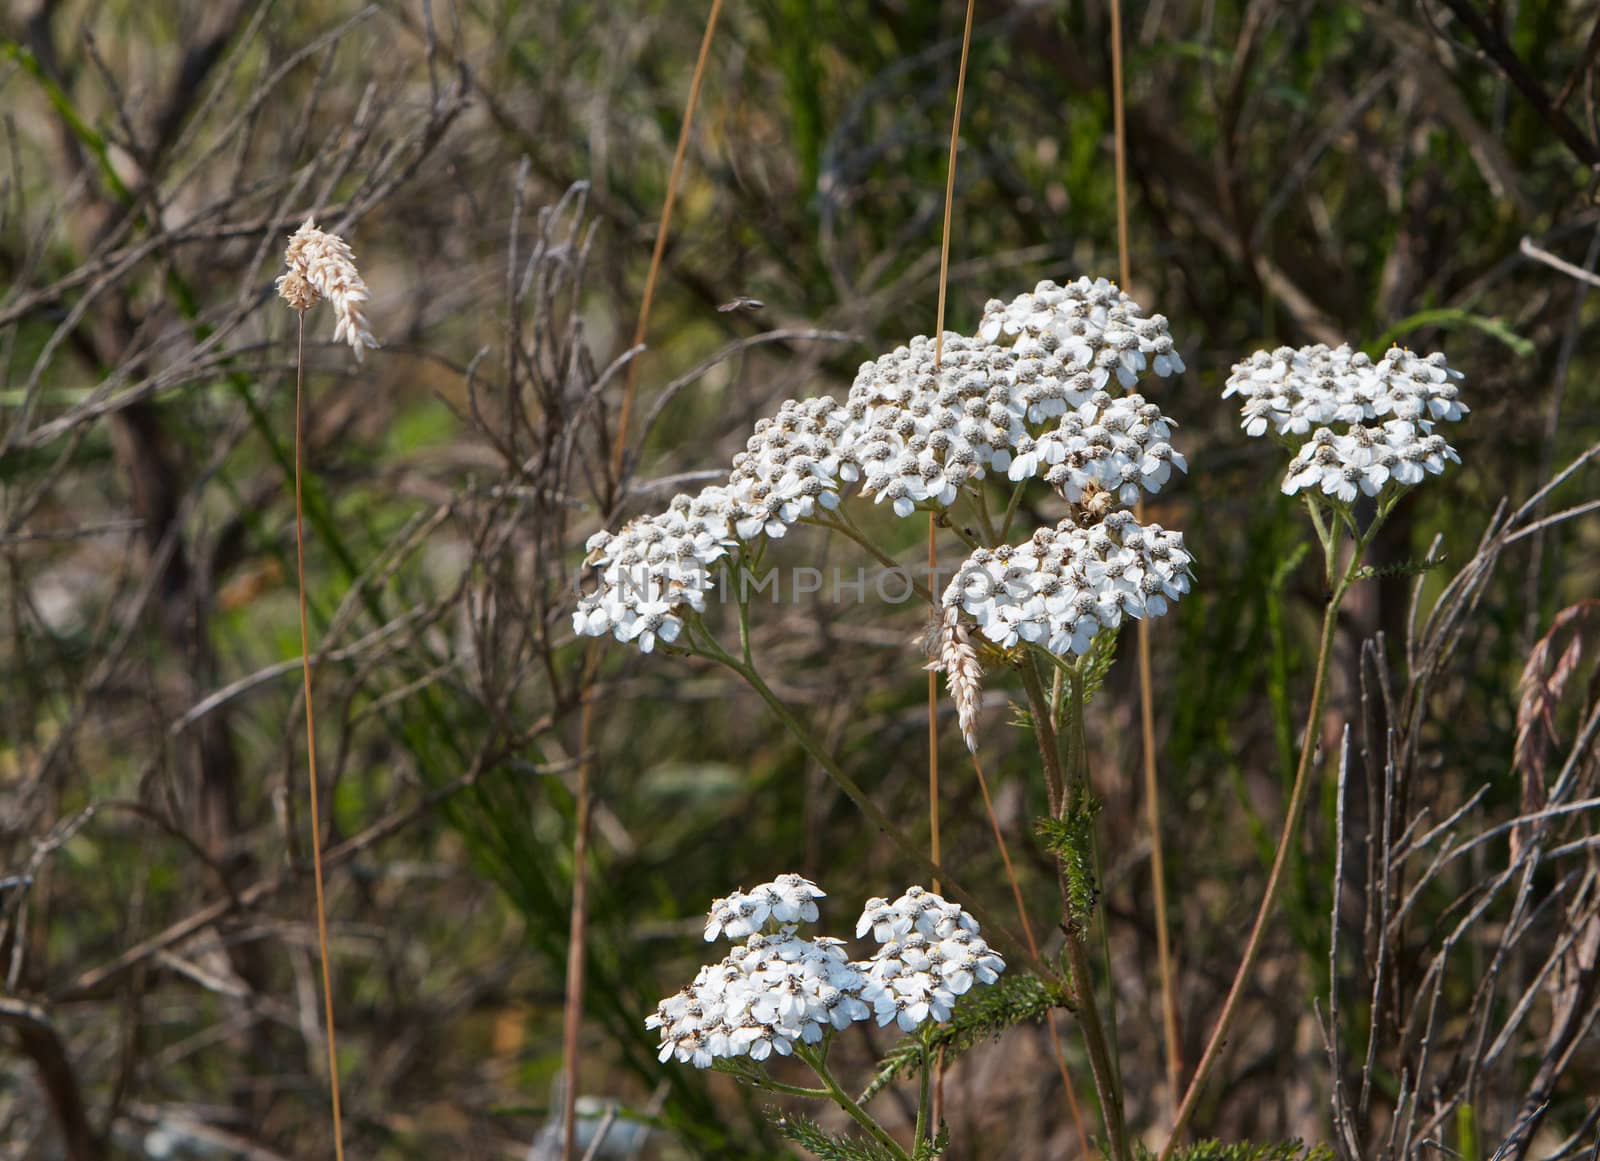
[
  {"x": 777, "y": 989},
  {"x": 766, "y": 995},
  {"x": 1116, "y": 445},
  {"x": 1066, "y": 584},
  {"x": 1039, "y": 394},
  {"x": 787, "y": 899},
  {"x": 1356, "y": 424},
  {"x": 920, "y": 433},
  {"x": 793, "y": 464},
  {"x": 1364, "y": 459},
  {"x": 322, "y": 265},
  {"x": 1090, "y": 321},
  {"x": 930, "y": 953},
  {"x": 655, "y": 567}
]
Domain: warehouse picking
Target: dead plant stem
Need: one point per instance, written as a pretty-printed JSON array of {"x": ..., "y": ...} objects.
[
  {"x": 1298, "y": 796},
  {"x": 673, "y": 177},
  {"x": 1147, "y": 723},
  {"x": 311, "y": 739}
]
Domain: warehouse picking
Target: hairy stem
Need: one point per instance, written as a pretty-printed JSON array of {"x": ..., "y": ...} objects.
[{"x": 1101, "y": 1063}]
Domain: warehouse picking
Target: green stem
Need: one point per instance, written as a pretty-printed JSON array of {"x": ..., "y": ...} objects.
[
  {"x": 980, "y": 501},
  {"x": 924, "y": 1104},
  {"x": 1078, "y": 790},
  {"x": 744, "y": 612},
  {"x": 845, "y": 1102},
  {"x": 843, "y": 523},
  {"x": 1044, "y": 728},
  {"x": 1011, "y": 508},
  {"x": 1101, "y": 1062},
  {"x": 763, "y": 1081}
]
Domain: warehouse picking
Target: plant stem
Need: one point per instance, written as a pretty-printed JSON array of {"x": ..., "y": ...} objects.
[
  {"x": 843, "y": 523},
  {"x": 1011, "y": 508},
  {"x": 311, "y": 741},
  {"x": 920, "y": 1134},
  {"x": 845, "y": 1102},
  {"x": 1298, "y": 796},
  {"x": 577, "y": 936},
  {"x": 1101, "y": 1063}
]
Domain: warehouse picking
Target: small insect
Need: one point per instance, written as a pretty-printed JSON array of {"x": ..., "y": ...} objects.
[{"x": 743, "y": 302}]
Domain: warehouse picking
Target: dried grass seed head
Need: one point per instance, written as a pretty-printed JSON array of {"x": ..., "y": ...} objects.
[{"x": 325, "y": 265}]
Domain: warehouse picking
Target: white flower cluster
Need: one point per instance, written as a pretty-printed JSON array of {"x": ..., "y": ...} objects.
[
  {"x": 1062, "y": 587},
  {"x": 794, "y": 461},
  {"x": 787, "y": 899},
  {"x": 921, "y": 433},
  {"x": 930, "y": 954},
  {"x": 1356, "y": 423},
  {"x": 768, "y": 993},
  {"x": 1090, "y": 321},
  {"x": 1116, "y": 445},
  {"x": 656, "y": 565},
  {"x": 777, "y": 989},
  {"x": 1364, "y": 459},
  {"x": 1029, "y": 397}
]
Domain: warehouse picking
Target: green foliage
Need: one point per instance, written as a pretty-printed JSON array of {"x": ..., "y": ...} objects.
[
  {"x": 927, "y": 1150},
  {"x": 809, "y": 1135},
  {"x": 1246, "y": 1151},
  {"x": 1071, "y": 839},
  {"x": 1094, "y": 665},
  {"x": 983, "y": 1013},
  {"x": 1401, "y": 568}
]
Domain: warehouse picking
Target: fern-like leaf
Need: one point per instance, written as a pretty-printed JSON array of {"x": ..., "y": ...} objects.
[
  {"x": 1071, "y": 839},
  {"x": 1097, "y": 663},
  {"x": 980, "y": 1015},
  {"x": 1408, "y": 567},
  {"x": 931, "y": 1150},
  {"x": 809, "y": 1135},
  {"x": 1247, "y": 1151}
]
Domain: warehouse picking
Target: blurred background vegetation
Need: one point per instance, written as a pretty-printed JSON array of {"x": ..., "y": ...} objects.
[{"x": 1301, "y": 171}]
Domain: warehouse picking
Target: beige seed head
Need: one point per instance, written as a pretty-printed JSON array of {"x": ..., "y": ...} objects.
[
  {"x": 297, "y": 292},
  {"x": 324, "y": 265},
  {"x": 958, "y": 661}
]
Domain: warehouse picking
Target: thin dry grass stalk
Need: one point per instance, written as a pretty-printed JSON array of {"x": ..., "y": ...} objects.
[
  {"x": 1147, "y": 723},
  {"x": 933, "y": 526},
  {"x": 320, "y": 265}
]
